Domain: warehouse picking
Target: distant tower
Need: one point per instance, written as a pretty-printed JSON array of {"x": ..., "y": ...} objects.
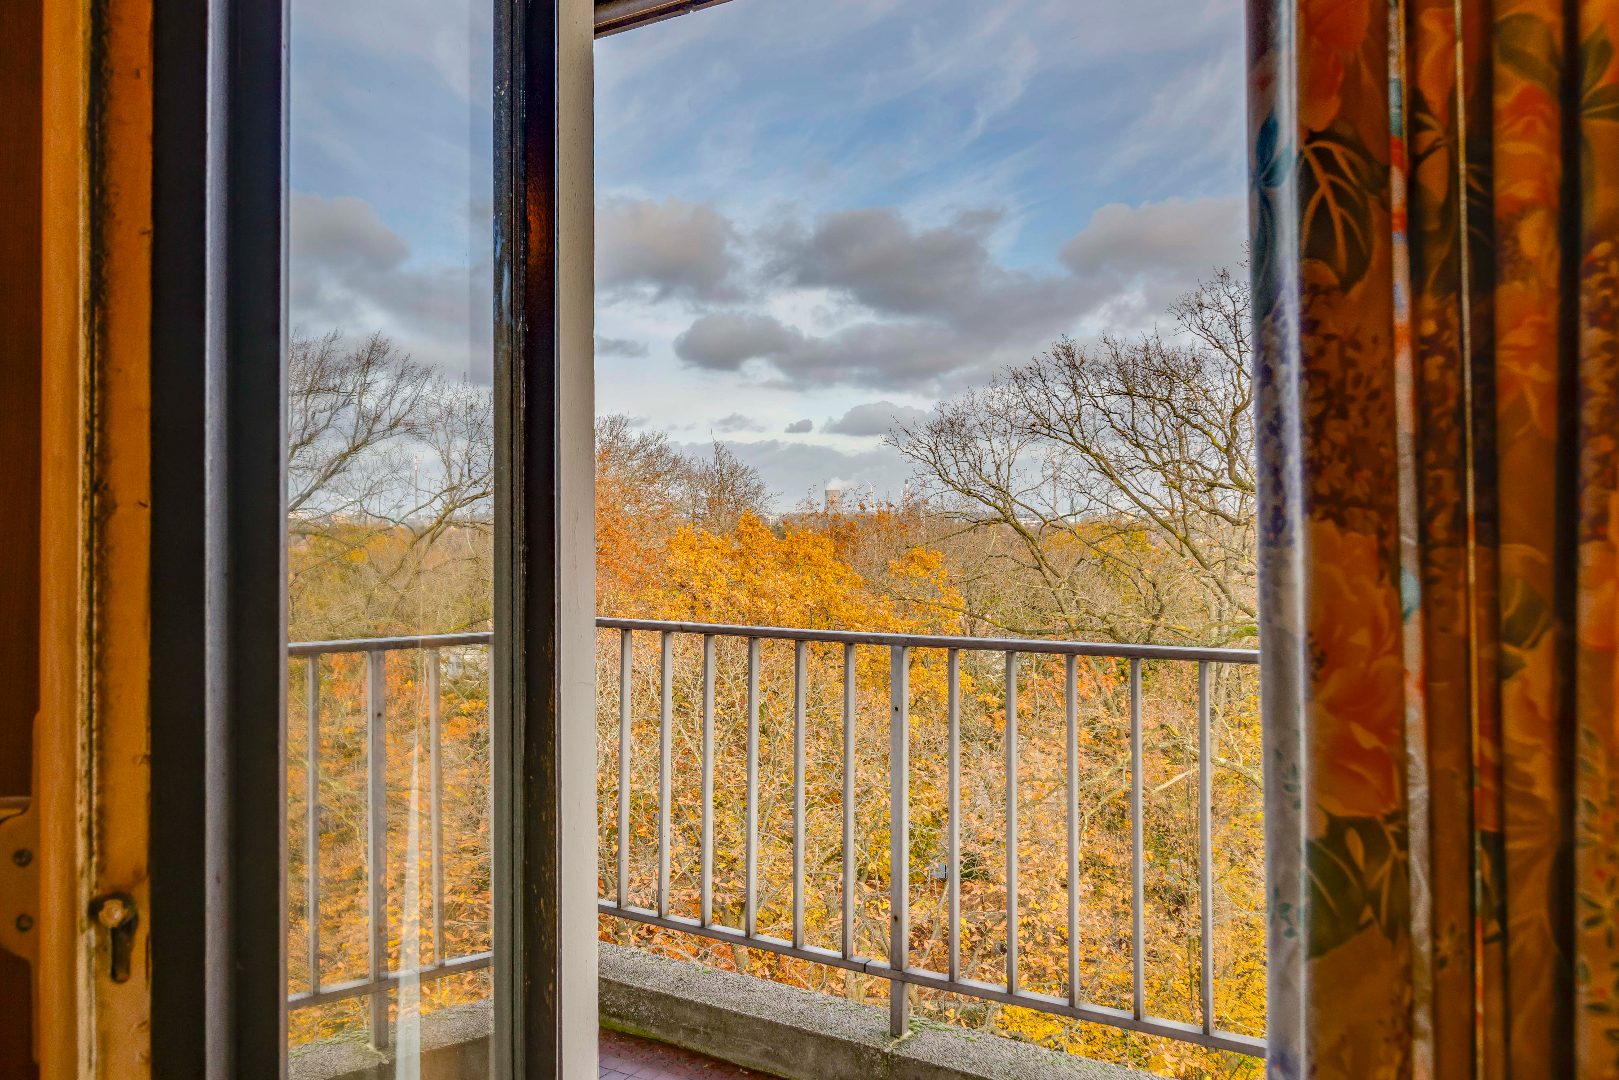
[{"x": 834, "y": 492}]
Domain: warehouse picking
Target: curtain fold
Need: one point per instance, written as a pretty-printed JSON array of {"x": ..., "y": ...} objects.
[{"x": 1434, "y": 209}]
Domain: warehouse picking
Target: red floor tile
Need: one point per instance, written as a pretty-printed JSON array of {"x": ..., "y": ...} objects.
[{"x": 625, "y": 1057}]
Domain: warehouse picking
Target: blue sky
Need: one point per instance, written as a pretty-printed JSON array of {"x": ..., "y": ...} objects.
[{"x": 812, "y": 219}]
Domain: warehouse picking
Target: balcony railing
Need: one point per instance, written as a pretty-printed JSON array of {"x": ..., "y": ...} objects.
[
  {"x": 379, "y": 979},
  {"x": 897, "y": 968}
]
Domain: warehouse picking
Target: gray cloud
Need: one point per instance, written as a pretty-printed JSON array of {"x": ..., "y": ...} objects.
[
  {"x": 675, "y": 249},
  {"x": 350, "y": 271},
  {"x": 939, "y": 278},
  {"x": 800, "y": 427},
  {"x": 886, "y": 355},
  {"x": 343, "y": 233},
  {"x": 1164, "y": 247},
  {"x": 626, "y": 347},
  {"x": 736, "y": 422},
  {"x": 726, "y": 342},
  {"x": 875, "y": 418},
  {"x": 875, "y": 257},
  {"x": 943, "y": 309}
]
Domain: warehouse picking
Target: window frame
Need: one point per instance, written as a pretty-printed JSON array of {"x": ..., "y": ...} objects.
[{"x": 217, "y": 694}]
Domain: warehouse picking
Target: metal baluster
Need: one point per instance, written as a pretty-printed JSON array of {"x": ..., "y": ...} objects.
[
  {"x": 435, "y": 795},
  {"x": 800, "y": 683},
  {"x": 666, "y": 670},
  {"x": 708, "y": 781},
  {"x": 751, "y": 923},
  {"x": 1205, "y": 842},
  {"x": 1071, "y": 698},
  {"x": 1137, "y": 854},
  {"x": 848, "y": 802},
  {"x": 1011, "y": 825},
  {"x": 899, "y": 832},
  {"x": 376, "y": 851},
  {"x": 953, "y": 835},
  {"x": 626, "y": 657},
  {"x": 312, "y": 823}
]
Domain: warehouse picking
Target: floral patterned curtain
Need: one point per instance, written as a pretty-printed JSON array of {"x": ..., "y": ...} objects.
[{"x": 1434, "y": 215}]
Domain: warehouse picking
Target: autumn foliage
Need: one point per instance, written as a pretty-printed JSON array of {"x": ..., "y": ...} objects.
[
  {"x": 801, "y": 570},
  {"x": 697, "y": 539}
]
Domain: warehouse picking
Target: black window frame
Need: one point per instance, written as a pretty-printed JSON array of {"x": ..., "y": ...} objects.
[{"x": 217, "y": 695}]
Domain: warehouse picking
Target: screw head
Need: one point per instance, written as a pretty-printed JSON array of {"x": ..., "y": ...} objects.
[
  {"x": 22, "y": 856},
  {"x": 25, "y": 923},
  {"x": 113, "y": 913}
]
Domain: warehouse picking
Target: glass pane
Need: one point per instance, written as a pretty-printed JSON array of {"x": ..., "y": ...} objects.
[
  {"x": 389, "y": 485},
  {"x": 930, "y": 317}
]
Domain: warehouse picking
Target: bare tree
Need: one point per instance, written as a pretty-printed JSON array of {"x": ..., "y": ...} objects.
[
  {"x": 647, "y": 491},
  {"x": 723, "y": 488},
  {"x": 455, "y": 431},
  {"x": 1121, "y": 475},
  {"x": 346, "y": 404},
  {"x": 387, "y": 460},
  {"x": 657, "y": 482},
  {"x": 641, "y": 466}
]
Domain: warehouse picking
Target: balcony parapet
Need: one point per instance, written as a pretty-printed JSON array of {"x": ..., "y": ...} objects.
[
  {"x": 757, "y": 1024},
  {"x": 804, "y": 1035}
]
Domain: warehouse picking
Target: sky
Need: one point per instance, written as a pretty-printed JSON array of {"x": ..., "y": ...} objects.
[{"x": 813, "y": 220}]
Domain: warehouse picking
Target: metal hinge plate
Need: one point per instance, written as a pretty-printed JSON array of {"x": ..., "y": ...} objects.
[{"x": 19, "y": 884}]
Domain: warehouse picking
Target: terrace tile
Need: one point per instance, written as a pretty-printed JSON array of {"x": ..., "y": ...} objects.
[{"x": 627, "y": 1057}]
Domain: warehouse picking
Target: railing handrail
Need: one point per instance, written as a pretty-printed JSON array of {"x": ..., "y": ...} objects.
[
  {"x": 1126, "y": 651},
  {"x": 387, "y": 644},
  {"x": 946, "y": 641}
]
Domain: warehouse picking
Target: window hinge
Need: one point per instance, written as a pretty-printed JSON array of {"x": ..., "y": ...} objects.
[{"x": 19, "y": 878}]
